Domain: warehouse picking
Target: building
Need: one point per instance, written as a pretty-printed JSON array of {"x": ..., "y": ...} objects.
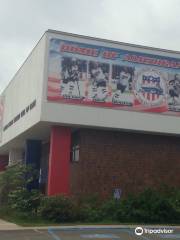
[{"x": 94, "y": 115}]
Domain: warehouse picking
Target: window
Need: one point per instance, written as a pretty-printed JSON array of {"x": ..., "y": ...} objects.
[
  {"x": 75, "y": 146},
  {"x": 75, "y": 153}
]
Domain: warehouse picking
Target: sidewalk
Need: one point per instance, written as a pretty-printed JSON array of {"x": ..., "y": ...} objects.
[
  {"x": 4, "y": 225},
  {"x": 8, "y": 226}
]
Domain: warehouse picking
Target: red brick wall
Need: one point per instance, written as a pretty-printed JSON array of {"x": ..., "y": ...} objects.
[{"x": 129, "y": 161}]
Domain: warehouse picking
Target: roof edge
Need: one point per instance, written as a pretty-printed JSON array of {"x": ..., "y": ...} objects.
[{"x": 112, "y": 41}]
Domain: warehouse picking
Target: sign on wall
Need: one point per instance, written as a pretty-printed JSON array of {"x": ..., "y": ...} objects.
[{"x": 80, "y": 73}]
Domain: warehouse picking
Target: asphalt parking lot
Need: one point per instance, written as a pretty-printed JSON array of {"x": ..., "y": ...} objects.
[{"x": 81, "y": 233}]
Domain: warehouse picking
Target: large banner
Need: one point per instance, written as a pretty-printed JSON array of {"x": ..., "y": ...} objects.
[{"x": 80, "y": 73}]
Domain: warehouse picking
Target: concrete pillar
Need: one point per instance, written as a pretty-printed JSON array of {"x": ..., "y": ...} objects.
[
  {"x": 59, "y": 161},
  {"x": 15, "y": 156}
]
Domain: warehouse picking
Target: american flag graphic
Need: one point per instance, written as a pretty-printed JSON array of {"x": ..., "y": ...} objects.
[
  {"x": 150, "y": 91},
  {"x": 151, "y": 96},
  {"x": 53, "y": 89},
  {"x": 150, "y": 87}
]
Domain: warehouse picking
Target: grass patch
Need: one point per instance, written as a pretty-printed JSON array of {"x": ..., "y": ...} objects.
[{"x": 37, "y": 221}]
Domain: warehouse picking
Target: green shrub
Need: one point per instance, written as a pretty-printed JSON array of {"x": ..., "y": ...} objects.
[
  {"x": 16, "y": 177},
  {"x": 173, "y": 194},
  {"x": 109, "y": 209},
  {"x": 92, "y": 200},
  {"x": 88, "y": 208},
  {"x": 23, "y": 200},
  {"x": 65, "y": 209},
  {"x": 149, "y": 206},
  {"x": 88, "y": 214},
  {"x": 57, "y": 209}
]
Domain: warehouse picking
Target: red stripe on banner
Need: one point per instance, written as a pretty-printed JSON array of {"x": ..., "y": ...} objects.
[
  {"x": 55, "y": 80},
  {"x": 51, "y": 89},
  {"x": 54, "y": 98},
  {"x": 52, "y": 95},
  {"x": 136, "y": 102},
  {"x": 53, "y": 83},
  {"x": 157, "y": 109}
]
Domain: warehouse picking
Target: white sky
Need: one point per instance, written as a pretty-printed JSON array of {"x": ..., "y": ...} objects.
[{"x": 153, "y": 23}]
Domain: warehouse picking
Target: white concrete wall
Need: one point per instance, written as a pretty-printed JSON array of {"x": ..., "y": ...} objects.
[
  {"x": 25, "y": 87},
  {"x": 105, "y": 117}
]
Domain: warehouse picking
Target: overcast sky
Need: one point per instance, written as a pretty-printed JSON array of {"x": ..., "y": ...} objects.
[{"x": 22, "y": 22}]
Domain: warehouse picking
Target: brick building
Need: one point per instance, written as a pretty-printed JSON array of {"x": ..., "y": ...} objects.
[{"x": 94, "y": 116}]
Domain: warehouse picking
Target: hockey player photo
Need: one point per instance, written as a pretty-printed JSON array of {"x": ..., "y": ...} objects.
[
  {"x": 98, "y": 79},
  {"x": 73, "y": 78},
  {"x": 174, "y": 92},
  {"x": 122, "y": 77}
]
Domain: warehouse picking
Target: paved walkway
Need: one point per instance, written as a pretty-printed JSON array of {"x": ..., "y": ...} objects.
[
  {"x": 86, "y": 232},
  {"x": 8, "y": 226},
  {"x": 9, "y": 231}
]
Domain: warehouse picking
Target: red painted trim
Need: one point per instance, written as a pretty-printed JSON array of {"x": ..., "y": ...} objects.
[{"x": 59, "y": 161}]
